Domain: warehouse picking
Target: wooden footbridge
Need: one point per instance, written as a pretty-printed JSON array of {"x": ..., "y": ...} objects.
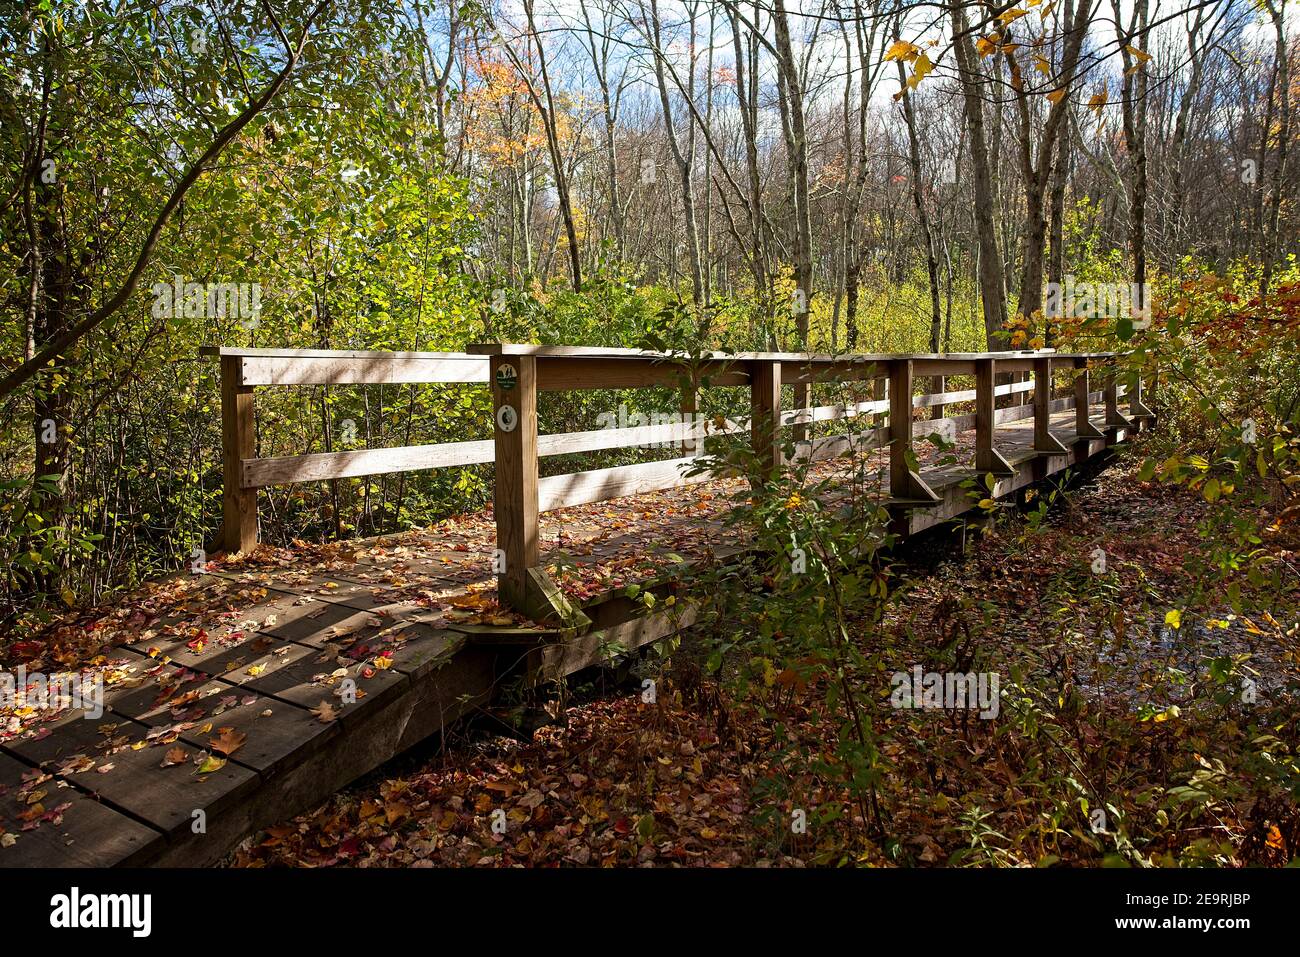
[{"x": 252, "y": 689}]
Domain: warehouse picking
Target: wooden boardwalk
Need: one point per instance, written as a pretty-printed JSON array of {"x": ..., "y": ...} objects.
[{"x": 249, "y": 692}]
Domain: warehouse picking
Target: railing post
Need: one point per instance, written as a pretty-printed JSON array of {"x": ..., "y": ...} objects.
[
  {"x": 1114, "y": 418},
  {"x": 1083, "y": 427},
  {"x": 904, "y": 484},
  {"x": 239, "y": 504},
  {"x": 514, "y": 404},
  {"x": 802, "y": 428},
  {"x": 1136, "y": 407},
  {"x": 1044, "y": 440},
  {"x": 692, "y": 442},
  {"x": 765, "y": 413},
  {"x": 987, "y": 456},
  {"x": 938, "y": 385}
]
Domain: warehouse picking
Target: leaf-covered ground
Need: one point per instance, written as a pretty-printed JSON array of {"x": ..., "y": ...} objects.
[{"x": 1114, "y": 706}]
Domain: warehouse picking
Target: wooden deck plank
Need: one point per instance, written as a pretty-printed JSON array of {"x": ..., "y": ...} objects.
[
  {"x": 326, "y": 586},
  {"x": 276, "y": 730},
  {"x": 215, "y": 632},
  {"x": 135, "y": 679},
  {"x": 165, "y": 798},
  {"x": 306, "y": 680},
  {"x": 290, "y": 682},
  {"x": 340, "y": 626},
  {"x": 166, "y": 695},
  {"x": 85, "y": 833},
  {"x": 427, "y": 651}
]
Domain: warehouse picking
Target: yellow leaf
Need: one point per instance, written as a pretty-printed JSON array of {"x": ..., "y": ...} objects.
[
  {"x": 1098, "y": 101},
  {"x": 1042, "y": 65},
  {"x": 1141, "y": 55},
  {"x": 1174, "y": 618},
  {"x": 210, "y": 764},
  {"x": 923, "y": 66},
  {"x": 902, "y": 50},
  {"x": 1011, "y": 16},
  {"x": 1056, "y": 95},
  {"x": 986, "y": 46}
]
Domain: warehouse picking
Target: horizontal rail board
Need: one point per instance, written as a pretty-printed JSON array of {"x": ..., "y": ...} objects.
[
  {"x": 568, "y": 374},
  {"x": 328, "y": 353},
  {"x": 968, "y": 395},
  {"x": 863, "y": 368},
  {"x": 320, "y": 466},
  {"x": 832, "y": 413},
  {"x": 361, "y": 370},
  {"x": 608, "y": 352},
  {"x": 665, "y": 434},
  {"x": 833, "y": 446},
  {"x": 597, "y": 485},
  {"x": 288, "y": 469},
  {"x": 569, "y": 370}
]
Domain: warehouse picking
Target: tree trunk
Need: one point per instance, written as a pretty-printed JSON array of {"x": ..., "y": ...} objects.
[
  {"x": 791, "y": 87},
  {"x": 990, "y": 258},
  {"x": 683, "y": 159},
  {"x": 547, "y": 110},
  {"x": 922, "y": 214},
  {"x": 1282, "y": 72}
]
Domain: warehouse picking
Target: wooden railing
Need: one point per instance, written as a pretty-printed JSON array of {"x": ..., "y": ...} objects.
[{"x": 516, "y": 374}]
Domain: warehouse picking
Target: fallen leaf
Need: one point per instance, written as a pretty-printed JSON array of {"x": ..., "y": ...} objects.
[
  {"x": 325, "y": 712},
  {"x": 228, "y": 741},
  {"x": 211, "y": 763}
]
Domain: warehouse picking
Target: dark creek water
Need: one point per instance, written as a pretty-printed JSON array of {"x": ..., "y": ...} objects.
[{"x": 1154, "y": 665}]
